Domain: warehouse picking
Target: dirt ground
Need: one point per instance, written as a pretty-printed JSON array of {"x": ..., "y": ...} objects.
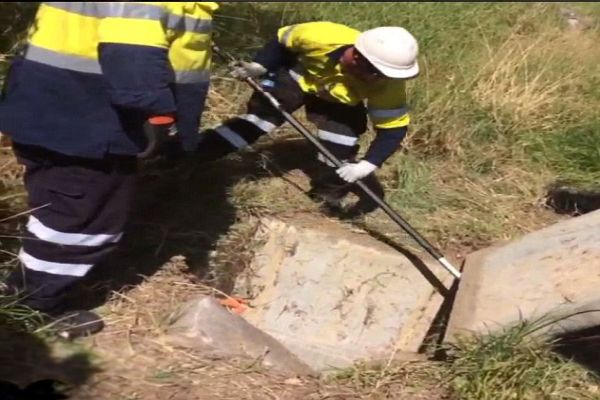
[
  {"x": 135, "y": 362},
  {"x": 131, "y": 359},
  {"x": 172, "y": 248},
  {"x": 179, "y": 219}
]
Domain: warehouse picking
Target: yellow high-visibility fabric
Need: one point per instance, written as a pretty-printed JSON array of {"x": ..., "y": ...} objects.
[
  {"x": 312, "y": 42},
  {"x": 184, "y": 28}
]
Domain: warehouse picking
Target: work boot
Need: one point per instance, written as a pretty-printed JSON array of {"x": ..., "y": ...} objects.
[
  {"x": 333, "y": 198},
  {"x": 66, "y": 324},
  {"x": 330, "y": 188},
  {"x": 74, "y": 324},
  {"x": 365, "y": 204},
  {"x": 213, "y": 147}
]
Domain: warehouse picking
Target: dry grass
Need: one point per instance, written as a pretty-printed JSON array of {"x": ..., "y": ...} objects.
[
  {"x": 232, "y": 255},
  {"x": 515, "y": 364},
  {"x": 500, "y": 206},
  {"x": 414, "y": 380},
  {"x": 527, "y": 85},
  {"x": 135, "y": 361},
  {"x": 465, "y": 180},
  {"x": 136, "y": 322}
]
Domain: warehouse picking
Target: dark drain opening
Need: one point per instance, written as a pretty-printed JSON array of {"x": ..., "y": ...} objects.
[
  {"x": 582, "y": 346},
  {"x": 573, "y": 201}
]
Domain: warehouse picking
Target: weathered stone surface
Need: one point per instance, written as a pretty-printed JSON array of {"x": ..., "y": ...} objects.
[
  {"x": 206, "y": 325},
  {"x": 334, "y": 297},
  {"x": 551, "y": 272}
]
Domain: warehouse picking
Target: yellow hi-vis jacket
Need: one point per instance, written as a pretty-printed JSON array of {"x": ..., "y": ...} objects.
[
  {"x": 92, "y": 72},
  {"x": 311, "y": 42},
  {"x": 182, "y": 27}
]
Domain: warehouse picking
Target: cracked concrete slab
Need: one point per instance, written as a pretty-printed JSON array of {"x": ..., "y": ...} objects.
[{"x": 334, "y": 297}]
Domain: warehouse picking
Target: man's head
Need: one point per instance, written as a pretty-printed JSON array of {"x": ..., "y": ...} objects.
[
  {"x": 387, "y": 51},
  {"x": 356, "y": 64}
]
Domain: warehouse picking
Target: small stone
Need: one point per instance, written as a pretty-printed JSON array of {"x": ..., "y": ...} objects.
[{"x": 206, "y": 325}]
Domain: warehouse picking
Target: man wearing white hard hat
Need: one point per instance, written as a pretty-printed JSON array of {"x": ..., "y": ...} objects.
[{"x": 341, "y": 76}]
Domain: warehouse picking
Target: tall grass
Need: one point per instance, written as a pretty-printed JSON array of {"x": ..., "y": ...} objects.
[
  {"x": 16, "y": 317},
  {"x": 508, "y": 365},
  {"x": 514, "y": 365},
  {"x": 506, "y": 104}
]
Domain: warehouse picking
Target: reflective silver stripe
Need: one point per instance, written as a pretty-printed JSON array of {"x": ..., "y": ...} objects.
[
  {"x": 114, "y": 9},
  {"x": 53, "y": 267},
  {"x": 286, "y": 35},
  {"x": 449, "y": 267},
  {"x": 120, "y": 9},
  {"x": 324, "y": 160},
  {"x": 236, "y": 140},
  {"x": 388, "y": 113},
  {"x": 258, "y": 122},
  {"x": 188, "y": 24},
  {"x": 87, "y": 65},
  {"x": 336, "y": 138},
  {"x": 88, "y": 9},
  {"x": 295, "y": 76},
  {"x": 48, "y": 234},
  {"x": 60, "y": 60},
  {"x": 192, "y": 76}
]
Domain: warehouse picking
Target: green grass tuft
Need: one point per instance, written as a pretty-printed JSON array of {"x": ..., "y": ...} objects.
[{"x": 515, "y": 365}]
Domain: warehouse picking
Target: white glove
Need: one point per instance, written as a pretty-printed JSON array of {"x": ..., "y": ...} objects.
[
  {"x": 355, "y": 171},
  {"x": 243, "y": 70}
]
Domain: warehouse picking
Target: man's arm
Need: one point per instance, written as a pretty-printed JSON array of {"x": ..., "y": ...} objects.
[
  {"x": 389, "y": 115},
  {"x": 133, "y": 54},
  {"x": 385, "y": 144},
  {"x": 273, "y": 55}
]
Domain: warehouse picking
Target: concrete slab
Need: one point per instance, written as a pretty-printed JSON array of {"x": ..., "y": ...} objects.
[
  {"x": 205, "y": 325},
  {"x": 551, "y": 272},
  {"x": 334, "y": 297}
]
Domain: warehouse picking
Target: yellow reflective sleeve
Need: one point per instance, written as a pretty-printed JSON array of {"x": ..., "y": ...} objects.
[
  {"x": 199, "y": 10},
  {"x": 191, "y": 51},
  {"x": 317, "y": 37},
  {"x": 190, "y": 26},
  {"x": 122, "y": 29},
  {"x": 387, "y": 107},
  {"x": 285, "y": 34},
  {"x": 390, "y": 122},
  {"x": 51, "y": 22},
  {"x": 301, "y": 37}
]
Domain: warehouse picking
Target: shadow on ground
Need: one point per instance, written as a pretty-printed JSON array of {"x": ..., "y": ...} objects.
[
  {"x": 185, "y": 211},
  {"x": 583, "y": 347},
  {"x": 26, "y": 361},
  {"x": 565, "y": 199}
]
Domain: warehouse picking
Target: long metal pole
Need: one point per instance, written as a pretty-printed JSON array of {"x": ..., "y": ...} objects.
[{"x": 335, "y": 161}]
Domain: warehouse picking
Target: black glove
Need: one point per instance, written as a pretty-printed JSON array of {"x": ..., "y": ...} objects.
[{"x": 157, "y": 130}]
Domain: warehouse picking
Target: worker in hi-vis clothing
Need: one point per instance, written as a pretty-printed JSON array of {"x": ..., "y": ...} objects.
[
  {"x": 340, "y": 75},
  {"x": 95, "y": 82}
]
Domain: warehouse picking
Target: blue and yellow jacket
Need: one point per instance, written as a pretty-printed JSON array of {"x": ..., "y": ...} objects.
[
  {"x": 313, "y": 44},
  {"x": 311, "y": 52},
  {"x": 93, "y": 72}
]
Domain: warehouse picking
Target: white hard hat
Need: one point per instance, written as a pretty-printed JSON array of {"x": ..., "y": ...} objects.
[{"x": 391, "y": 49}]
